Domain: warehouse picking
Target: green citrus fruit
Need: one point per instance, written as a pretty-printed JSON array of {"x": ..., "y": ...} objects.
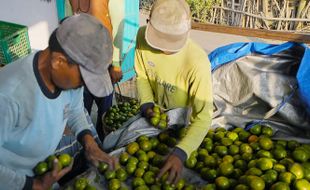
[
  {"x": 138, "y": 181},
  {"x": 121, "y": 174},
  {"x": 142, "y": 138},
  {"x": 221, "y": 150},
  {"x": 233, "y": 149},
  {"x": 254, "y": 171},
  {"x": 287, "y": 177},
  {"x": 139, "y": 172},
  {"x": 264, "y": 164},
  {"x": 255, "y": 183},
  {"x": 226, "y": 141},
  {"x": 267, "y": 131},
  {"x": 300, "y": 155},
  {"x": 226, "y": 169},
  {"x": 114, "y": 184},
  {"x": 232, "y": 135},
  {"x": 132, "y": 148},
  {"x": 210, "y": 161},
  {"x": 222, "y": 183},
  {"x": 302, "y": 184},
  {"x": 80, "y": 183},
  {"x": 41, "y": 168},
  {"x": 123, "y": 158},
  {"x": 154, "y": 141},
  {"x": 130, "y": 168},
  {"x": 280, "y": 186},
  {"x": 102, "y": 167},
  {"x": 109, "y": 174},
  {"x": 145, "y": 145},
  {"x": 241, "y": 187},
  {"x": 279, "y": 168},
  {"x": 208, "y": 174},
  {"x": 209, "y": 187},
  {"x": 149, "y": 178},
  {"x": 256, "y": 129},
  {"x": 265, "y": 143},
  {"x": 245, "y": 148},
  {"x": 297, "y": 170},
  {"x": 191, "y": 162},
  {"x": 292, "y": 144},
  {"x": 279, "y": 153}
]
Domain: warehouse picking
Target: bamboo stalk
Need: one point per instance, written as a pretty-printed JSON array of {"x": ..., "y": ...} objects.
[
  {"x": 221, "y": 13},
  {"x": 277, "y": 5},
  {"x": 232, "y": 13},
  {"x": 302, "y": 5},
  {"x": 265, "y": 8},
  {"x": 240, "y": 16},
  {"x": 281, "y": 15},
  {"x": 286, "y": 15},
  {"x": 305, "y": 10},
  {"x": 264, "y": 21},
  {"x": 266, "y": 18},
  {"x": 214, "y": 16}
]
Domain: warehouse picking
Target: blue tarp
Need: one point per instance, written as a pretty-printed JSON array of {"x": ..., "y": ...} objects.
[{"x": 234, "y": 51}]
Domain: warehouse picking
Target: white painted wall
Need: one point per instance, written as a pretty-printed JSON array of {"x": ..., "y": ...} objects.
[{"x": 39, "y": 15}]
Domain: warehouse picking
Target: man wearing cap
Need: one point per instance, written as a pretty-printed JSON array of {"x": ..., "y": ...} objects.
[
  {"x": 42, "y": 93},
  {"x": 173, "y": 71}
]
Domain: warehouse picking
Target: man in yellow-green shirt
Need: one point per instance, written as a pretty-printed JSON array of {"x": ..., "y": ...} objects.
[{"x": 173, "y": 71}]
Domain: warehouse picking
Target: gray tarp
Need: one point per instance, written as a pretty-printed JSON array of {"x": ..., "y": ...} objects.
[{"x": 261, "y": 88}]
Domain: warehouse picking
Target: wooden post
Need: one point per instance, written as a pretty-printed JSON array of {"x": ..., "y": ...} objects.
[{"x": 258, "y": 33}]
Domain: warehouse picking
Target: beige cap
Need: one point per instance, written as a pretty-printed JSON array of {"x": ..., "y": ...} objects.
[{"x": 169, "y": 25}]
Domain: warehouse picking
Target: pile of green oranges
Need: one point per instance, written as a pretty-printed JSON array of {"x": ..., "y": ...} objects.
[
  {"x": 120, "y": 113},
  {"x": 158, "y": 119},
  {"x": 240, "y": 159},
  {"x": 141, "y": 162}
]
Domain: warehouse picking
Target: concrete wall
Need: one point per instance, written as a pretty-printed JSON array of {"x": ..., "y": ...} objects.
[{"x": 39, "y": 15}]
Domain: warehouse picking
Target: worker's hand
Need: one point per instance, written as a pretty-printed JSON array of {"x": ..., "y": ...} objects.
[
  {"x": 174, "y": 166},
  {"x": 47, "y": 180},
  {"x": 115, "y": 74},
  {"x": 95, "y": 155}
]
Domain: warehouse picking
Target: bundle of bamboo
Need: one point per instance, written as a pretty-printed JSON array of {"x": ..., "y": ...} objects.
[
  {"x": 283, "y": 15},
  {"x": 286, "y": 15}
]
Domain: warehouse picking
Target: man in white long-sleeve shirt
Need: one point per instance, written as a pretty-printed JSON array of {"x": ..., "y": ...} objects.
[{"x": 42, "y": 93}]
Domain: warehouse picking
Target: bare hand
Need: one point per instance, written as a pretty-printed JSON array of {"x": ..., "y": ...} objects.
[
  {"x": 174, "y": 166},
  {"x": 95, "y": 155},
  {"x": 47, "y": 180},
  {"x": 115, "y": 74}
]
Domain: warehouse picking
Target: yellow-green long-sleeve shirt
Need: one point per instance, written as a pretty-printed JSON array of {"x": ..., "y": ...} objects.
[{"x": 182, "y": 79}]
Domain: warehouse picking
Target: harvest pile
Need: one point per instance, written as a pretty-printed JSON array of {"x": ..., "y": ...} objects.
[
  {"x": 240, "y": 159},
  {"x": 141, "y": 162},
  {"x": 120, "y": 113}
]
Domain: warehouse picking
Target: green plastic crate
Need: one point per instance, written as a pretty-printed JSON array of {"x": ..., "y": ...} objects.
[{"x": 14, "y": 42}]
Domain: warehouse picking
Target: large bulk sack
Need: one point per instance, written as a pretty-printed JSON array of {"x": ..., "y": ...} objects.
[{"x": 262, "y": 83}]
